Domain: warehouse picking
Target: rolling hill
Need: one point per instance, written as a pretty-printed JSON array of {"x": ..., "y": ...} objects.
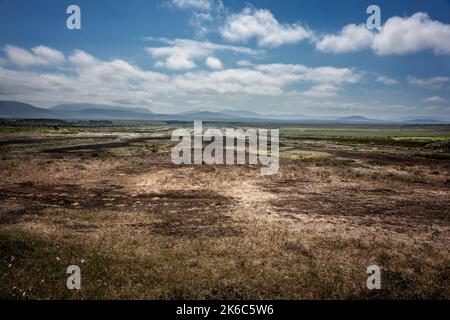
[
  {"x": 19, "y": 110},
  {"x": 86, "y": 111},
  {"x": 90, "y": 106}
]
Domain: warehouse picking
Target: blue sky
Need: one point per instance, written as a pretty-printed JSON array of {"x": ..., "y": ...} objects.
[{"x": 309, "y": 57}]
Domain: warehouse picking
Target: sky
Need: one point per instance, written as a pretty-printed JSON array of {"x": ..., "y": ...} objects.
[{"x": 316, "y": 58}]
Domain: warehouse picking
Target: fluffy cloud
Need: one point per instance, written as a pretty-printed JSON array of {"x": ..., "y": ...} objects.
[
  {"x": 322, "y": 91},
  {"x": 181, "y": 54},
  {"x": 432, "y": 83},
  {"x": 176, "y": 62},
  {"x": 413, "y": 34},
  {"x": 327, "y": 80},
  {"x": 205, "y": 15},
  {"x": 434, "y": 99},
  {"x": 329, "y": 75},
  {"x": 231, "y": 81},
  {"x": 387, "y": 80},
  {"x": 38, "y": 56},
  {"x": 192, "y": 4},
  {"x": 213, "y": 63},
  {"x": 82, "y": 59},
  {"x": 332, "y": 75},
  {"x": 398, "y": 36},
  {"x": 261, "y": 25},
  {"x": 352, "y": 38},
  {"x": 269, "y": 79},
  {"x": 86, "y": 78}
]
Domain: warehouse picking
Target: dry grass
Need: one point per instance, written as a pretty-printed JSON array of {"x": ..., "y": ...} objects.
[{"x": 140, "y": 227}]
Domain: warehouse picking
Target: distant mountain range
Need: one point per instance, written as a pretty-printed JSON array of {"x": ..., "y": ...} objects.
[
  {"x": 84, "y": 111},
  {"x": 75, "y": 107}
]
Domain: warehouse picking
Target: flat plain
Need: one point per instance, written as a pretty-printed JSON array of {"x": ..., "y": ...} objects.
[{"x": 106, "y": 197}]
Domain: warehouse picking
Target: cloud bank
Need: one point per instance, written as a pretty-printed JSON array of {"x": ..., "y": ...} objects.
[
  {"x": 398, "y": 36},
  {"x": 87, "y": 78}
]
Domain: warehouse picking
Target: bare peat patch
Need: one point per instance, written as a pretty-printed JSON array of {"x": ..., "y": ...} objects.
[{"x": 180, "y": 213}]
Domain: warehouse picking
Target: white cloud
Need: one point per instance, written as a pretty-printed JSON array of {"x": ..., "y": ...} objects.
[
  {"x": 413, "y": 34},
  {"x": 434, "y": 99},
  {"x": 262, "y": 25},
  {"x": 432, "y": 83},
  {"x": 333, "y": 75},
  {"x": 322, "y": 91},
  {"x": 201, "y": 22},
  {"x": 269, "y": 79},
  {"x": 328, "y": 80},
  {"x": 49, "y": 55},
  {"x": 214, "y": 63},
  {"x": 352, "y": 38},
  {"x": 176, "y": 62},
  {"x": 231, "y": 81},
  {"x": 281, "y": 68},
  {"x": 181, "y": 54},
  {"x": 398, "y": 36},
  {"x": 329, "y": 75},
  {"x": 205, "y": 15},
  {"x": 81, "y": 58},
  {"x": 115, "y": 70},
  {"x": 244, "y": 63},
  {"x": 86, "y": 78},
  {"x": 39, "y": 56},
  {"x": 192, "y": 4},
  {"x": 387, "y": 80}
]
